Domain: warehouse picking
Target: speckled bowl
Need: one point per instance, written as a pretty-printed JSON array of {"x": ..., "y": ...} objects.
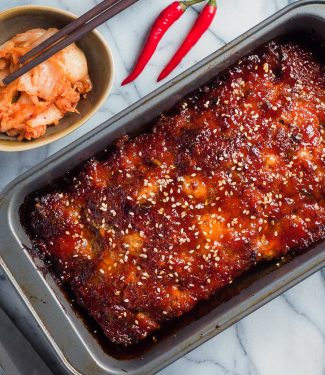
[{"x": 100, "y": 63}]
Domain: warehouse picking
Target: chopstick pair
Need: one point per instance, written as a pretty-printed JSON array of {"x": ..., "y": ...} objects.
[{"x": 68, "y": 35}]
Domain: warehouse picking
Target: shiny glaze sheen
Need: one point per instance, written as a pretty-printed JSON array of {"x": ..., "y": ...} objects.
[{"x": 232, "y": 176}]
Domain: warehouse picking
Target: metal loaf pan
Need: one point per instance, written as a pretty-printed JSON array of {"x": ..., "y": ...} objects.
[{"x": 52, "y": 326}]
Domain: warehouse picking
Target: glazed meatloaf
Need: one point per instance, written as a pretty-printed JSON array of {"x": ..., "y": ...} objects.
[{"x": 232, "y": 176}]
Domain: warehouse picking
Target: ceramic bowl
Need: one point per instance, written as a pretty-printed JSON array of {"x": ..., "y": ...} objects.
[{"x": 100, "y": 65}]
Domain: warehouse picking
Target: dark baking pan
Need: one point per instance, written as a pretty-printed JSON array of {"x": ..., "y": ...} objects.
[{"x": 52, "y": 325}]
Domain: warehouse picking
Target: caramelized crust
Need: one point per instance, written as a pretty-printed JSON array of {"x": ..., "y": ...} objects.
[{"x": 233, "y": 176}]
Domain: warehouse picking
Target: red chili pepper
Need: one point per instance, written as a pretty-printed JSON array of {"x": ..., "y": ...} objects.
[
  {"x": 164, "y": 21},
  {"x": 201, "y": 25}
]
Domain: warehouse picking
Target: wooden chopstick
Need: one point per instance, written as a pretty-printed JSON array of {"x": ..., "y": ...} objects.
[
  {"x": 104, "y": 12},
  {"x": 66, "y": 30}
]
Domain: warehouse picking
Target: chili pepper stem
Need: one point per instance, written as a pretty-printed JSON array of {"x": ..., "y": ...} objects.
[{"x": 186, "y": 4}]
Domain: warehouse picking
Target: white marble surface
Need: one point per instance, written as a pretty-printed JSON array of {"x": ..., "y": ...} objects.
[{"x": 287, "y": 336}]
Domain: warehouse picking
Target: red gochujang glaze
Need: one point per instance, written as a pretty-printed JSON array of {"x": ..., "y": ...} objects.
[{"x": 233, "y": 176}]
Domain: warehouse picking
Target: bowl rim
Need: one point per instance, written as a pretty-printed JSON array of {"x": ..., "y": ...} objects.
[{"x": 33, "y": 144}]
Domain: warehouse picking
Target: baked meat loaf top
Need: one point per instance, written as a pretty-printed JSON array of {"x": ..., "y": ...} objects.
[{"x": 232, "y": 176}]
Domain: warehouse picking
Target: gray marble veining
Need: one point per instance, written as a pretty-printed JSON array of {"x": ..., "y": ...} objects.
[{"x": 285, "y": 337}]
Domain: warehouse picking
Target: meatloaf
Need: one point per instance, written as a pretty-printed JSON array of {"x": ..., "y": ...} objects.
[{"x": 232, "y": 176}]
